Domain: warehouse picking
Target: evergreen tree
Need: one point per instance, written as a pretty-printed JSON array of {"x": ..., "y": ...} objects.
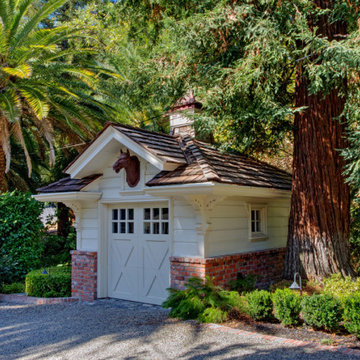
[{"x": 267, "y": 70}]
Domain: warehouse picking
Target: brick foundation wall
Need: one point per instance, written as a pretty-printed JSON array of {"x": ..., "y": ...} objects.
[
  {"x": 267, "y": 265},
  {"x": 84, "y": 275}
]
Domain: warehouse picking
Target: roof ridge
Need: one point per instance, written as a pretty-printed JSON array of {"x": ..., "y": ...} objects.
[
  {"x": 142, "y": 130},
  {"x": 145, "y": 146},
  {"x": 208, "y": 171}
]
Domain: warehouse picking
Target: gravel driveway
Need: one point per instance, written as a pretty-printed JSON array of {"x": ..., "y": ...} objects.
[{"x": 114, "y": 329}]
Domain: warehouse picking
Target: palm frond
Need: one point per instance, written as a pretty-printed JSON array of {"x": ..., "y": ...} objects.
[
  {"x": 47, "y": 9},
  {"x": 10, "y": 105},
  {"x": 22, "y": 71},
  {"x": 16, "y": 129},
  {"x": 36, "y": 99}
]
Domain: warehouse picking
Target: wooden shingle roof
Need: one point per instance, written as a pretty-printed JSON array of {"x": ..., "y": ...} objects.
[
  {"x": 206, "y": 163},
  {"x": 164, "y": 146},
  {"x": 68, "y": 184},
  {"x": 197, "y": 162}
]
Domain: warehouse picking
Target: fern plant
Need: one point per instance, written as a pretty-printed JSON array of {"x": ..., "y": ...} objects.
[{"x": 202, "y": 300}]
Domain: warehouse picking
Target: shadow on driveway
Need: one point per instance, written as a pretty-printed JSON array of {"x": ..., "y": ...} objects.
[{"x": 130, "y": 331}]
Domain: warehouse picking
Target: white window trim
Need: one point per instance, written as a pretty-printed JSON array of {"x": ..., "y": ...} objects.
[{"x": 262, "y": 235}]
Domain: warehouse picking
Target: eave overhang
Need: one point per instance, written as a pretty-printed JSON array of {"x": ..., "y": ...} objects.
[
  {"x": 217, "y": 189},
  {"x": 68, "y": 196}
]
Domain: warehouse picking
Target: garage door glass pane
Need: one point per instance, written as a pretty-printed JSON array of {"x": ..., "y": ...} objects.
[
  {"x": 122, "y": 214},
  {"x": 130, "y": 214},
  {"x": 122, "y": 228},
  {"x": 146, "y": 214},
  {"x": 156, "y": 228},
  {"x": 165, "y": 214},
  {"x": 165, "y": 228},
  {"x": 114, "y": 227},
  {"x": 130, "y": 227},
  {"x": 156, "y": 213},
  {"x": 147, "y": 228},
  {"x": 114, "y": 214}
]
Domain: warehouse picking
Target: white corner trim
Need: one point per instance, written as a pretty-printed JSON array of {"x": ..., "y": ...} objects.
[{"x": 67, "y": 196}]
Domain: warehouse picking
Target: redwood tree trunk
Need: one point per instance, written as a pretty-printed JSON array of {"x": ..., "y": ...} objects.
[
  {"x": 3, "y": 182},
  {"x": 318, "y": 240}
]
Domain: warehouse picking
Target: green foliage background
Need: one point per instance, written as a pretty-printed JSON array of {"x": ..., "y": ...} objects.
[{"x": 21, "y": 234}]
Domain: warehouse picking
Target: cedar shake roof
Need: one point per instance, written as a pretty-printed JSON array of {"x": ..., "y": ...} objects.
[
  {"x": 163, "y": 146},
  {"x": 198, "y": 162},
  {"x": 206, "y": 163},
  {"x": 68, "y": 184}
]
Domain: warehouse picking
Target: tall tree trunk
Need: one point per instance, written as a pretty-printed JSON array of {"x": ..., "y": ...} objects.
[
  {"x": 3, "y": 182},
  {"x": 64, "y": 221},
  {"x": 318, "y": 240}
]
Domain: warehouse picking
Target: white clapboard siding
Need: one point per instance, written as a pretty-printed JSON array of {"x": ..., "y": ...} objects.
[
  {"x": 186, "y": 239},
  {"x": 89, "y": 227},
  {"x": 229, "y": 227}
]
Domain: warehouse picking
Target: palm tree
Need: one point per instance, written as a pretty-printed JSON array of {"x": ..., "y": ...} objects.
[{"x": 42, "y": 92}]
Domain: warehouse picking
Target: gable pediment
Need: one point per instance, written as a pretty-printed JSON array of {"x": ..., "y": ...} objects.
[{"x": 106, "y": 147}]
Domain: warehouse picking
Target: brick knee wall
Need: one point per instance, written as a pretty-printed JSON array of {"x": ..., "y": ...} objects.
[
  {"x": 84, "y": 275},
  {"x": 267, "y": 265}
]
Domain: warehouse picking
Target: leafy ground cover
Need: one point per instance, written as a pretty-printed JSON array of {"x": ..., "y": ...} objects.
[{"x": 315, "y": 316}]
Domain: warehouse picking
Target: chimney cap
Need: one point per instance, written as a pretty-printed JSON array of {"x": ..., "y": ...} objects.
[{"x": 186, "y": 102}]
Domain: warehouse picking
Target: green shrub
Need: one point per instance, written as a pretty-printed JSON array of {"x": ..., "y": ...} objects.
[
  {"x": 20, "y": 235},
  {"x": 7, "y": 266},
  {"x": 322, "y": 311},
  {"x": 352, "y": 314},
  {"x": 341, "y": 287},
  {"x": 57, "y": 283},
  {"x": 213, "y": 315},
  {"x": 355, "y": 234},
  {"x": 243, "y": 284},
  {"x": 287, "y": 306},
  {"x": 14, "y": 288},
  {"x": 234, "y": 300},
  {"x": 202, "y": 300},
  {"x": 259, "y": 305}
]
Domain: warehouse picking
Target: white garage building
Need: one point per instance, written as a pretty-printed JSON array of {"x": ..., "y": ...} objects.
[{"x": 178, "y": 208}]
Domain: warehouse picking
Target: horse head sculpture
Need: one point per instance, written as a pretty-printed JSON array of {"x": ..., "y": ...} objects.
[{"x": 131, "y": 164}]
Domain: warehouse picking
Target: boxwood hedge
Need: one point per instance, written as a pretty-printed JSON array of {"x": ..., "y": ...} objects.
[{"x": 56, "y": 283}]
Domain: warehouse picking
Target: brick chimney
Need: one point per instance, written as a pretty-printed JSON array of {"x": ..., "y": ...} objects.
[{"x": 180, "y": 122}]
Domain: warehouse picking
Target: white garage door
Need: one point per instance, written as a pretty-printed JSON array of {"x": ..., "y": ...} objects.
[{"x": 139, "y": 267}]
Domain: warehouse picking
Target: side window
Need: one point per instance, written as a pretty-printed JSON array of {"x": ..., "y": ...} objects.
[
  {"x": 257, "y": 223},
  {"x": 156, "y": 220},
  {"x": 122, "y": 221}
]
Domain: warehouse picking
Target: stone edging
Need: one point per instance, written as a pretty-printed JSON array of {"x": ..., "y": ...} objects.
[
  {"x": 339, "y": 349},
  {"x": 23, "y": 299}
]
